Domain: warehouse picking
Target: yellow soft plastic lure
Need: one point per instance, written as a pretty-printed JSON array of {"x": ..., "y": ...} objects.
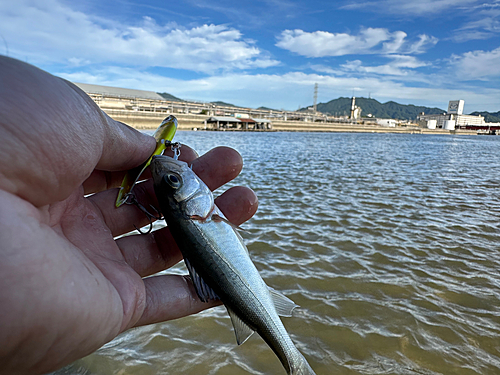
[{"x": 163, "y": 135}]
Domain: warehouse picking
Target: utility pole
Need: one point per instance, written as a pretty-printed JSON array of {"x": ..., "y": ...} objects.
[
  {"x": 6, "y": 46},
  {"x": 315, "y": 97}
]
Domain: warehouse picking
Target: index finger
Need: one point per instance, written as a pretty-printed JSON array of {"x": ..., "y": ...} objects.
[
  {"x": 101, "y": 180},
  {"x": 215, "y": 168}
]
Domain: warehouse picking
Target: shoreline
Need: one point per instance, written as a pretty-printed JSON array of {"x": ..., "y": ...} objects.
[{"x": 143, "y": 120}]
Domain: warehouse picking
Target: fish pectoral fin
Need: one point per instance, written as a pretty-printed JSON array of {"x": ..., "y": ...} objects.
[
  {"x": 241, "y": 330},
  {"x": 284, "y": 305},
  {"x": 202, "y": 289}
]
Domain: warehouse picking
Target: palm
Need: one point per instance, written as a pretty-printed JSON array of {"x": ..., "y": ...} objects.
[
  {"x": 89, "y": 287},
  {"x": 66, "y": 285}
]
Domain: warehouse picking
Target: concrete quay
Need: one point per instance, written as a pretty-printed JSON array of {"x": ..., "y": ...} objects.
[
  {"x": 151, "y": 120},
  {"x": 358, "y": 128}
]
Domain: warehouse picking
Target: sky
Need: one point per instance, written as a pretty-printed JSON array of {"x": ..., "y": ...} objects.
[{"x": 267, "y": 52}]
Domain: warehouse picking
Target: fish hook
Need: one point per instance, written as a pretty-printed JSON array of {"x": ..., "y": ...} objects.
[
  {"x": 131, "y": 199},
  {"x": 175, "y": 147}
]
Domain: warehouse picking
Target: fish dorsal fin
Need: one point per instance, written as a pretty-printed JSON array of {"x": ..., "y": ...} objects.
[
  {"x": 241, "y": 330},
  {"x": 284, "y": 305},
  {"x": 202, "y": 289}
]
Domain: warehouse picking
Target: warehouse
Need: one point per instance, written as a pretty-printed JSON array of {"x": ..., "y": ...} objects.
[{"x": 452, "y": 119}]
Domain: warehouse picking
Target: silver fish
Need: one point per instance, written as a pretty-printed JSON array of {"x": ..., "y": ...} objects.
[{"x": 219, "y": 263}]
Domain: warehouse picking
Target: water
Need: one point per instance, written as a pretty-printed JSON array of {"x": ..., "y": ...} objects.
[{"x": 389, "y": 243}]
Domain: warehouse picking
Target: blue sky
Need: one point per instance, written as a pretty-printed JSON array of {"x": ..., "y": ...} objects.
[{"x": 268, "y": 52}]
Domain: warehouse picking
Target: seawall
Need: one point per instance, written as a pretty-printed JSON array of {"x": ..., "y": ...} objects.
[{"x": 151, "y": 120}]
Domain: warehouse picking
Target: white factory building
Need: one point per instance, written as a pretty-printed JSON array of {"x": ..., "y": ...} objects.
[{"x": 453, "y": 118}]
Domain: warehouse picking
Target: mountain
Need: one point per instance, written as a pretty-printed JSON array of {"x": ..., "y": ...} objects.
[
  {"x": 223, "y": 104},
  {"x": 266, "y": 109},
  {"x": 167, "y": 96},
  {"x": 342, "y": 106},
  {"x": 488, "y": 117}
]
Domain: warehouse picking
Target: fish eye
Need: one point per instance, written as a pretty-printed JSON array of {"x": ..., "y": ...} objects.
[{"x": 173, "y": 180}]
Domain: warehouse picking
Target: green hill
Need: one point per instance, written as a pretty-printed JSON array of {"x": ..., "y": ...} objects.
[
  {"x": 488, "y": 117},
  {"x": 223, "y": 104},
  {"x": 342, "y": 106},
  {"x": 266, "y": 109}
]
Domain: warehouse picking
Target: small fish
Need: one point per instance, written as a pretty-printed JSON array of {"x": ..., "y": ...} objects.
[{"x": 219, "y": 263}]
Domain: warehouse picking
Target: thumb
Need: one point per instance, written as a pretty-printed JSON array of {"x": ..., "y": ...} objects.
[
  {"x": 54, "y": 136},
  {"x": 123, "y": 147}
]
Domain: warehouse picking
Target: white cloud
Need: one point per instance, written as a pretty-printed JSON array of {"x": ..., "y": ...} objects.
[
  {"x": 368, "y": 41},
  {"x": 395, "y": 45},
  {"x": 405, "y": 61},
  {"x": 326, "y": 69},
  {"x": 480, "y": 18},
  {"x": 477, "y": 65},
  {"x": 52, "y": 32},
  {"x": 411, "y": 7},
  {"x": 423, "y": 42},
  {"x": 289, "y": 90},
  {"x": 323, "y": 43},
  {"x": 91, "y": 49},
  {"x": 466, "y": 35},
  {"x": 486, "y": 26},
  {"x": 399, "y": 66}
]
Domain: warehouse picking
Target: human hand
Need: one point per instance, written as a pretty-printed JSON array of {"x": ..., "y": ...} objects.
[{"x": 66, "y": 285}]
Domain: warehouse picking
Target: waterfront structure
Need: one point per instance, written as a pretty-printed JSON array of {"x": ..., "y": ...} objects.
[
  {"x": 114, "y": 98},
  {"x": 386, "y": 122},
  {"x": 241, "y": 123},
  {"x": 219, "y": 122},
  {"x": 355, "y": 110},
  {"x": 108, "y": 91},
  {"x": 456, "y": 107},
  {"x": 247, "y": 122},
  {"x": 454, "y": 117},
  {"x": 146, "y": 109},
  {"x": 262, "y": 123}
]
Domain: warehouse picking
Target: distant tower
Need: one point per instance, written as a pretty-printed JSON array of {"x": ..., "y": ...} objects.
[
  {"x": 315, "y": 97},
  {"x": 353, "y": 106}
]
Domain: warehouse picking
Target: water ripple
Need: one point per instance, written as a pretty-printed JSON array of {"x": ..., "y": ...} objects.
[{"x": 389, "y": 243}]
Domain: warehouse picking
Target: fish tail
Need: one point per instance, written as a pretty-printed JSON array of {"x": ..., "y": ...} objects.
[{"x": 302, "y": 367}]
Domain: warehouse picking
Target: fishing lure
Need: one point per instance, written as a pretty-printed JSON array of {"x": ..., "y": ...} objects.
[{"x": 163, "y": 135}]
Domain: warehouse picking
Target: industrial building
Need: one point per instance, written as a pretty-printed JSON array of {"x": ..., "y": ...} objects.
[
  {"x": 145, "y": 109},
  {"x": 355, "y": 110},
  {"x": 453, "y": 118}
]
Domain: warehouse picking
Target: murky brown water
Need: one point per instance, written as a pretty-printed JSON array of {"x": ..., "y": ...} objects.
[{"x": 389, "y": 243}]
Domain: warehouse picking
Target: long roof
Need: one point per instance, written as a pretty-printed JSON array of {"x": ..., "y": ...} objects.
[
  {"x": 246, "y": 119},
  {"x": 222, "y": 119},
  {"x": 116, "y": 91}
]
